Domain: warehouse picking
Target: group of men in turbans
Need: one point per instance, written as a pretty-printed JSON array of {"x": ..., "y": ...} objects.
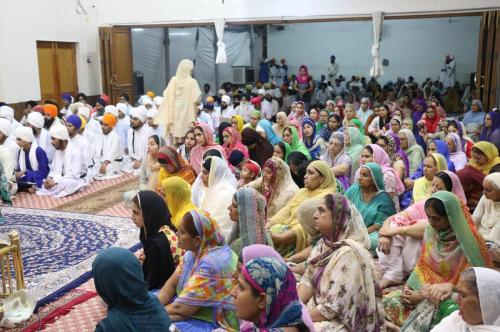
[{"x": 58, "y": 152}]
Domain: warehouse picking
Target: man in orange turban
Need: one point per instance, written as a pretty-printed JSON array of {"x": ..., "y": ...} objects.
[
  {"x": 50, "y": 116},
  {"x": 109, "y": 120}
]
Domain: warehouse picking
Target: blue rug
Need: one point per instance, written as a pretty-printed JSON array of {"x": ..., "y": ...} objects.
[{"x": 58, "y": 248}]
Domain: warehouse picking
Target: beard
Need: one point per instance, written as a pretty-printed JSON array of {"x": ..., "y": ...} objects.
[
  {"x": 136, "y": 127},
  {"x": 48, "y": 122}
]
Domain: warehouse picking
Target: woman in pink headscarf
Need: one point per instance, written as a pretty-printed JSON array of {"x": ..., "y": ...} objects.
[
  {"x": 401, "y": 235},
  {"x": 304, "y": 85},
  {"x": 232, "y": 141},
  {"x": 204, "y": 142}
]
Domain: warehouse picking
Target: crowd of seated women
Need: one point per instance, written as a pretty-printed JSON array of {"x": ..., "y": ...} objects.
[{"x": 383, "y": 215}]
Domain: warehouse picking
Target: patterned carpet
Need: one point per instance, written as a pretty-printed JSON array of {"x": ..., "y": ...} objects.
[{"x": 59, "y": 247}]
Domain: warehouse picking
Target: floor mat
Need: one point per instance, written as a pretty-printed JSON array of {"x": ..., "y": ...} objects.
[
  {"x": 26, "y": 200},
  {"x": 55, "y": 309},
  {"x": 100, "y": 200},
  {"x": 58, "y": 248}
]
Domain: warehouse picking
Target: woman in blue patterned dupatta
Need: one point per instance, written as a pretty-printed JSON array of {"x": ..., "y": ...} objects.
[
  {"x": 266, "y": 295},
  {"x": 248, "y": 213},
  {"x": 204, "y": 279},
  {"x": 313, "y": 142},
  {"x": 119, "y": 281}
]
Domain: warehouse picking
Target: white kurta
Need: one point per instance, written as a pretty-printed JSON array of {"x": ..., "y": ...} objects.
[
  {"x": 44, "y": 141},
  {"x": 66, "y": 172},
  {"x": 83, "y": 145},
  {"x": 138, "y": 142},
  {"x": 122, "y": 128},
  {"x": 108, "y": 149}
]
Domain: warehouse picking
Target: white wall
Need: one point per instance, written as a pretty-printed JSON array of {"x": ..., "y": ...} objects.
[
  {"x": 414, "y": 47},
  {"x": 24, "y": 22}
]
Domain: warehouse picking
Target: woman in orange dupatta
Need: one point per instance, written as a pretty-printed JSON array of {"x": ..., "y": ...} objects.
[{"x": 172, "y": 164}]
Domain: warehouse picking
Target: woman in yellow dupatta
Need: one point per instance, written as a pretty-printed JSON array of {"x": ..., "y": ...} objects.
[
  {"x": 433, "y": 163},
  {"x": 286, "y": 232},
  {"x": 238, "y": 122},
  {"x": 177, "y": 194},
  {"x": 484, "y": 156}
]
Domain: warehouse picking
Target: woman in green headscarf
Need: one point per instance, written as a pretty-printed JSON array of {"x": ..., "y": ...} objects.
[
  {"x": 356, "y": 123},
  {"x": 371, "y": 200},
  {"x": 451, "y": 244},
  {"x": 291, "y": 136},
  {"x": 354, "y": 144},
  {"x": 119, "y": 281},
  {"x": 282, "y": 150}
]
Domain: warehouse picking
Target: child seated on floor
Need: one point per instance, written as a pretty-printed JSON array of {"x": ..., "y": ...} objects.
[{"x": 249, "y": 172}]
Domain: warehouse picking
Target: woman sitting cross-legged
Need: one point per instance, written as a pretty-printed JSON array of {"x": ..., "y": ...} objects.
[
  {"x": 487, "y": 214},
  {"x": 150, "y": 214},
  {"x": 119, "y": 281},
  {"x": 401, "y": 235},
  {"x": 248, "y": 212},
  {"x": 275, "y": 184},
  {"x": 451, "y": 244},
  {"x": 266, "y": 295},
  {"x": 287, "y": 234},
  {"x": 340, "y": 286},
  {"x": 204, "y": 279}
]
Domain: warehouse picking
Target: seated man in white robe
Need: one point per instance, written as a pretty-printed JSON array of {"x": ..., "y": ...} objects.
[
  {"x": 7, "y": 158},
  {"x": 7, "y": 113},
  {"x": 65, "y": 176},
  {"x": 137, "y": 137},
  {"x": 123, "y": 125},
  {"x": 36, "y": 121},
  {"x": 89, "y": 133},
  {"x": 108, "y": 158},
  {"x": 158, "y": 130},
  {"x": 74, "y": 123}
]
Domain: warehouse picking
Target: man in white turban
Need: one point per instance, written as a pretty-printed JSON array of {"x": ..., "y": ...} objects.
[
  {"x": 137, "y": 137},
  {"x": 123, "y": 125},
  {"x": 33, "y": 165},
  {"x": 7, "y": 157},
  {"x": 180, "y": 100},
  {"x": 226, "y": 109},
  {"x": 159, "y": 130},
  {"x": 65, "y": 175},
  {"x": 35, "y": 121}
]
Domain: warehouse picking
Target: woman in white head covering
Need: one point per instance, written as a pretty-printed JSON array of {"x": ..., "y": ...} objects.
[
  {"x": 182, "y": 95},
  {"x": 479, "y": 300},
  {"x": 213, "y": 191},
  {"x": 487, "y": 214}
]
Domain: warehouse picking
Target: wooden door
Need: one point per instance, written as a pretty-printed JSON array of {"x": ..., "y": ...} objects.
[
  {"x": 57, "y": 69},
  {"x": 488, "y": 60},
  {"x": 116, "y": 62}
]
